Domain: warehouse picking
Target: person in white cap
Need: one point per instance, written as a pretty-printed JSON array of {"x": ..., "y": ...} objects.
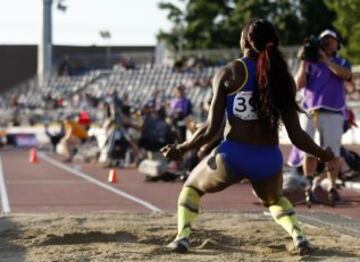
[{"x": 324, "y": 100}]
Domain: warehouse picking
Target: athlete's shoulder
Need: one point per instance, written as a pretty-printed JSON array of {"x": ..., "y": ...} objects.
[
  {"x": 237, "y": 75},
  {"x": 231, "y": 76}
]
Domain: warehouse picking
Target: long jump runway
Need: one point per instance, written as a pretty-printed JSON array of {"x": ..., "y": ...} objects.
[{"x": 52, "y": 186}]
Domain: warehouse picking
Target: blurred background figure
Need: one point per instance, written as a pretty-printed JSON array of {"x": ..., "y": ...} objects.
[
  {"x": 75, "y": 135},
  {"x": 55, "y": 137},
  {"x": 180, "y": 108}
]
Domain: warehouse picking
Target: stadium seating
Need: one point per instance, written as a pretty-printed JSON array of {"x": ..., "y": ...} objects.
[{"x": 138, "y": 84}]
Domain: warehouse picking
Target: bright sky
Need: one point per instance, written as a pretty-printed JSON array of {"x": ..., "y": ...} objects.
[{"x": 131, "y": 22}]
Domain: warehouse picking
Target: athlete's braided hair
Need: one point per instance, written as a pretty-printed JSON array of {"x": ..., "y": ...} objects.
[{"x": 276, "y": 89}]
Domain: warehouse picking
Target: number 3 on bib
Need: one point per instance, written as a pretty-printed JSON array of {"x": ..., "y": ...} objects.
[{"x": 243, "y": 107}]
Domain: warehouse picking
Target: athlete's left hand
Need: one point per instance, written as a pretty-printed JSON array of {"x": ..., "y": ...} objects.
[{"x": 171, "y": 152}]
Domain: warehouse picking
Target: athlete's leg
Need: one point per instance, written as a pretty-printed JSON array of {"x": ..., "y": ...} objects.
[
  {"x": 209, "y": 176},
  {"x": 270, "y": 192}
]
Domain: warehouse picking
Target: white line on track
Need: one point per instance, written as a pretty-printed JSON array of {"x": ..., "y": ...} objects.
[
  {"x": 4, "y": 195},
  {"x": 99, "y": 183},
  {"x": 45, "y": 182},
  {"x": 352, "y": 185}
]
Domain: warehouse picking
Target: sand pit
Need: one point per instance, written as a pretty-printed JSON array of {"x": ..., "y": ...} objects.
[{"x": 129, "y": 237}]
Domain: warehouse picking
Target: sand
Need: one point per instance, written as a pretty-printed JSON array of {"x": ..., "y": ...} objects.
[{"x": 132, "y": 237}]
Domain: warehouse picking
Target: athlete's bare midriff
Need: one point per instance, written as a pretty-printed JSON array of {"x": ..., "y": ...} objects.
[{"x": 250, "y": 132}]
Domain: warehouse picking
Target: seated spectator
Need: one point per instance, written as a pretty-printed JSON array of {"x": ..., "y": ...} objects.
[
  {"x": 156, "y": 132},
  {"x": 75, "y": 134},
  {"x": 64, "y": 66}
]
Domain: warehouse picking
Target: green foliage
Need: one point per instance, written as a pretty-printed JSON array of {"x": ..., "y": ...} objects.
[
  {"x": 204, "y": 21},
  {"x": 348, "y": 23},
  {"x": 173, "y": 39},
  {"x": 203, "y": 24},
  {"x": 282, "y": 13},
  {"x": 316, "y": 16}
]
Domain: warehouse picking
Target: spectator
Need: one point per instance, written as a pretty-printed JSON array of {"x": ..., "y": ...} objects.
[
  {"x": 116, "y": 144},
  {"x": 75, "y": 134},
  {"x": 180, "y": 108},
  {"x": 64, "y": 66},
  {"x": 55, "y": 137},
  {"x": 156, "y": 133},
  {"x": 324, "y": 100}
]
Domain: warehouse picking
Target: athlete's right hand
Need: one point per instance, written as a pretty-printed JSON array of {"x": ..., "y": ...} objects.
[
  {"x": 327, "y": 155},
  {"x": 171, "y": 152}
]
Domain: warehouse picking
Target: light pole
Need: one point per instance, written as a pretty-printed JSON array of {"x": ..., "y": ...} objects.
[
  {"x": 44, "y": 64},
  {"x": 105, "y": 34},
  {"x": 45, "y": 45}
]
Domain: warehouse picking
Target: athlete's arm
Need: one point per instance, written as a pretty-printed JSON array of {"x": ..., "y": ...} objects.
[
  {"x": 212, "y": 127},
  {"x": 301, "y": 139},
  {"x": 227, "y": 80},
  {"x": 208, "y": 147},
  {"x": 214, "y": 123}
]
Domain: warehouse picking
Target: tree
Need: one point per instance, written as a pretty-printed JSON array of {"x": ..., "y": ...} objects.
[
  {"x": 173, "y": 39},
  {"x": 218, "y": 23},
  {"x": 315, "y": 17},
  {"x": 348, "y": 23},
  {"x": 281, "y": 13},
  {"x": 204, "y": 20},
  {"x": 242, "y": 12}
]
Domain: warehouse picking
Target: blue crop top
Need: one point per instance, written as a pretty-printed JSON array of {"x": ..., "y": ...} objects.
[{"x": 240, "y": 103}]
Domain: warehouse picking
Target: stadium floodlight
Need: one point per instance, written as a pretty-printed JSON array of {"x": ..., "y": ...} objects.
[
  {"x": 61, "y": 6},
  {"x": 105, "y": 34}
]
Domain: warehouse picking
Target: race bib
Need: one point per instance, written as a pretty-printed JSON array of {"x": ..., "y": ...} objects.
[{"x": 244, "y": 107}]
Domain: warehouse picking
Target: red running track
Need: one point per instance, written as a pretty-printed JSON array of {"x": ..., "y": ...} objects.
[{"x": 45, "y": 187}]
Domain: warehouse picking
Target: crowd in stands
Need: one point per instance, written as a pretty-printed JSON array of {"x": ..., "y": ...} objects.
[
  {"x": 128, "y": 131},
  {"x": 190, "y": 63}
]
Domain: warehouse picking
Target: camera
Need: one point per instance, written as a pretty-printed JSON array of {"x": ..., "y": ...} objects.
[{"x": 310, "y": 49}]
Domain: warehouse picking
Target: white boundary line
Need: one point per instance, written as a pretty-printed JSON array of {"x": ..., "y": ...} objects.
[
  {"x": 99, "y": 183},
  {"x": 352, "y": 185},
  {"x": 4, "y": 195}
]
